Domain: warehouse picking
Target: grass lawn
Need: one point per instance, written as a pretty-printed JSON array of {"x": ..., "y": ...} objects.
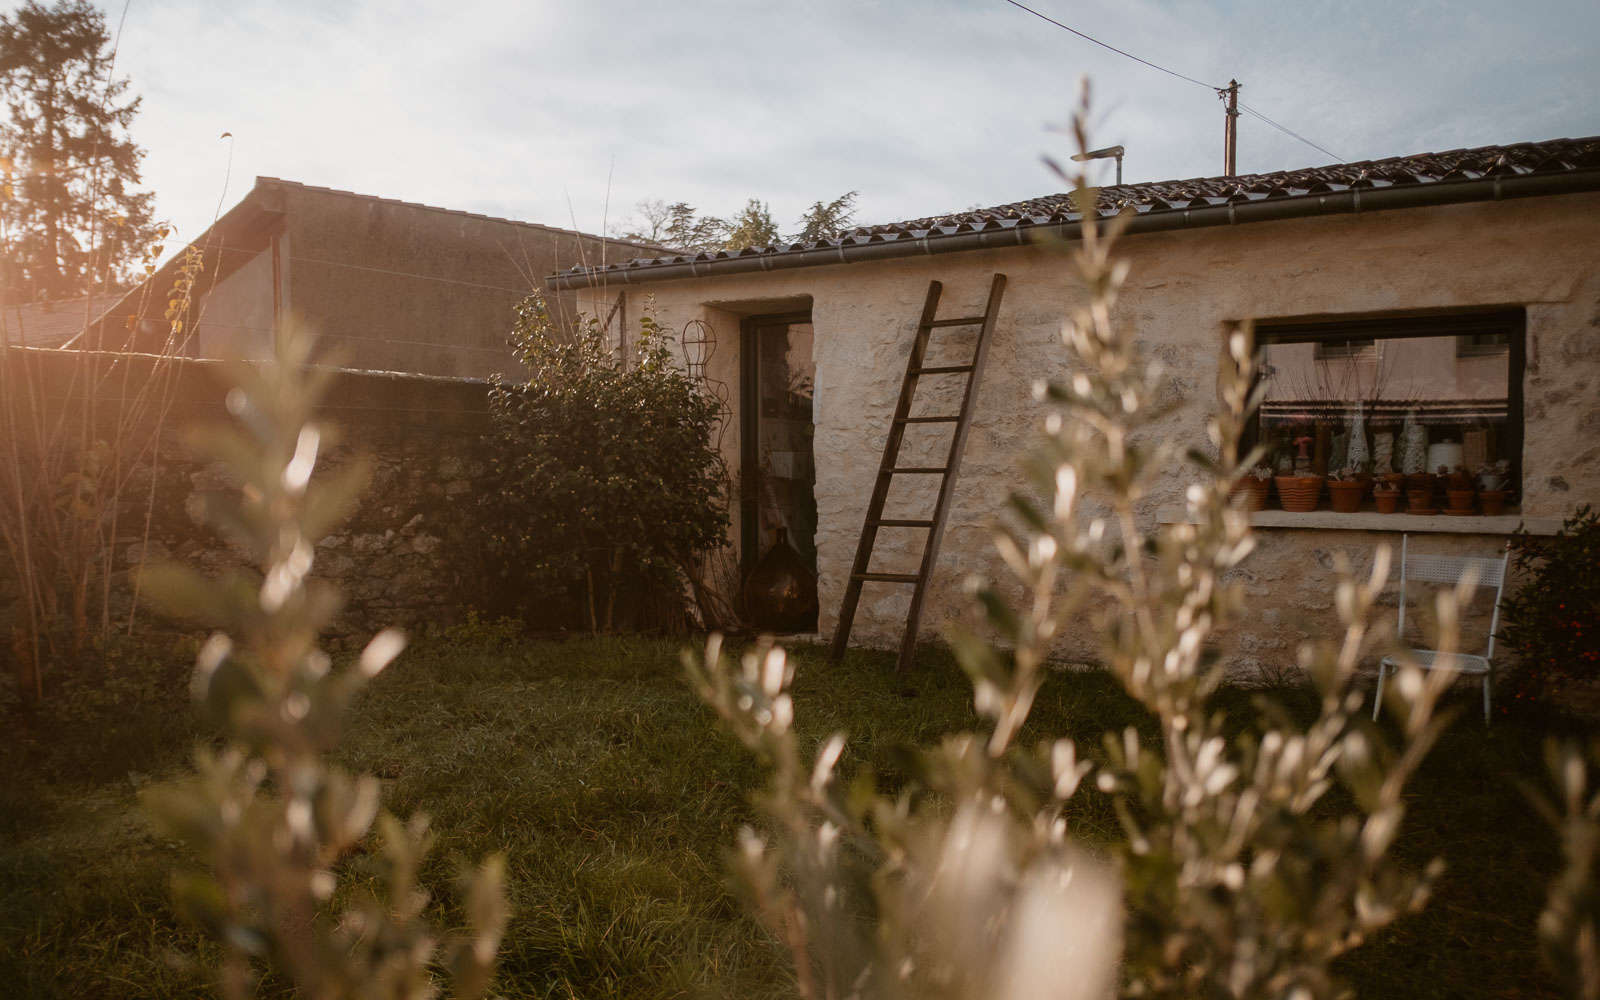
[{"x": 614, "y": 797}]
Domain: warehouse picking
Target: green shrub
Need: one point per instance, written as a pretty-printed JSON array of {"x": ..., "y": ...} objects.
[
  {"x": 605, "y": 478},
  {"x": 1551, "y": 623}
]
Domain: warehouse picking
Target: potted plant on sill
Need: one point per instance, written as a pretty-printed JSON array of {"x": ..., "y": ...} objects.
[
  {"x": 1419, "y": 493},
  {"x": 1386, "y": 494},
  {"x": 1491, "y": 485},
  {"x": 1347, "y": 490},
  {"x": 1299, "y": 493},
  {"x": 1458, "y": 487},
  {"x": 1256, "y": 486}
]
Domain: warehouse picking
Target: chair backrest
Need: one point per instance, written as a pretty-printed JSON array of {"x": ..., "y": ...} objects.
[{"x": 1428, "y": 567}]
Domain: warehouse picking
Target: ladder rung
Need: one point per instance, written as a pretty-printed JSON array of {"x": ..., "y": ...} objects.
[{"x": 960, "y": 422}]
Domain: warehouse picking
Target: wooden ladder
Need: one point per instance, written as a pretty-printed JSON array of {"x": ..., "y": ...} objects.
[{"x": 888, "y": 469}]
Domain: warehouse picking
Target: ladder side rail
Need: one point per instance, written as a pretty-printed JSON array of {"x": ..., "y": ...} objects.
[
  {"x": 958, "y": 443},
  {"x": 880, "y": 487}
]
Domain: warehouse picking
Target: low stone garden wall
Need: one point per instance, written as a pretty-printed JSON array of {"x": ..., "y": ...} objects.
[{"x": 407, "y": 555}]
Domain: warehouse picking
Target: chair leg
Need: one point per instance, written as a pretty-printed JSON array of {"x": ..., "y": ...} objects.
[
  {"x": 1486, "y": 699},
  {"x": 1377, "y": 698}
]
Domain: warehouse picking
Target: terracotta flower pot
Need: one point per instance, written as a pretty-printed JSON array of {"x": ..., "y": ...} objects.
[
  {"x": 1494, "y": 502},
  {"x": 1419, "y": 481},
  {"x": 1299, "y": 494},
  {"x": 1461, "y": 499},
  {"x": 1347, "y": 496},
  {"x": 1420, "y": 502},
  {"x": 1249, "y": 493},
  {"x": 1387, "y": 501}
]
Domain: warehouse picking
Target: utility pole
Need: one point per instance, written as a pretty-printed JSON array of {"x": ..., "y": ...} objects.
[{"x": 1230, "y": 131}]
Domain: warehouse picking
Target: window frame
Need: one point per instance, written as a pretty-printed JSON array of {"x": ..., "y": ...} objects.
[{"x": 1508, "y": 320}]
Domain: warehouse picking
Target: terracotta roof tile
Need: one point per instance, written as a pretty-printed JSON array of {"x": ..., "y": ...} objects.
[{"x": 1555, "y": 156}]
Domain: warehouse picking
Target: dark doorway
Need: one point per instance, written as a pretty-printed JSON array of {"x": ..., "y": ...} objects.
[{"x": 778, "y": 477}]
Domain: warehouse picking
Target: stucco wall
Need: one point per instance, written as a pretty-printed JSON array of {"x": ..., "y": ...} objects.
[{"x": 1183, "y": 291}]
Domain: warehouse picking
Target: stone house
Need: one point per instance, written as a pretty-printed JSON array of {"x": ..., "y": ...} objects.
[
  {"x": 1461, "y": 289},
  {"x": 389, "y": 285}
]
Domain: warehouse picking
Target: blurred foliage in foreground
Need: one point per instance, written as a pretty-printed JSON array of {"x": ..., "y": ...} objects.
[
  {"x": 1569, "y": 927},
  {"x": 1239, "y": 873},
  {"x": 295, "y": 879},
  {"x": 615, "y": 794}
]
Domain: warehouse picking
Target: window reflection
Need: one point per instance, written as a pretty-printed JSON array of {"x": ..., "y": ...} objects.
[{"x": 1415, "y": 401}]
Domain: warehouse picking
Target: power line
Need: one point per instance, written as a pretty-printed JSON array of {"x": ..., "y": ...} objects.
[
  {"x": 1113, "y": 48},
  {"x": 1220, "y": 91},
  {"x": 1289, "y": 132}
]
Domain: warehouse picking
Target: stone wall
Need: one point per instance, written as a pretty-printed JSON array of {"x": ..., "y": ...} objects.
[
  {"x": 1185, "y": 290},
  {"x": 408, "y": 554}
]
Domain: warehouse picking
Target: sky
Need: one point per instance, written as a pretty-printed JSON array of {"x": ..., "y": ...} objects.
[{"x": 571, "y": 113}]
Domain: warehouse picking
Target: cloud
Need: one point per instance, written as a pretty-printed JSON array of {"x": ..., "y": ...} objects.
[{"x": 546, "y": 111}]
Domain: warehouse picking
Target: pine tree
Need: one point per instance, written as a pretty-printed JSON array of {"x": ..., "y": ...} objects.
[
  {"x": 72, "y": 220},
  {"x": 827, "y": 221},
  {"x": 678, "y": 225},
  {"x": 752, "y": 227},
  {"x": 675, "y": 225}
]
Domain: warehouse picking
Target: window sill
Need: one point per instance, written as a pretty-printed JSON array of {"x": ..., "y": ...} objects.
[{"x": 1327, "y": 520}]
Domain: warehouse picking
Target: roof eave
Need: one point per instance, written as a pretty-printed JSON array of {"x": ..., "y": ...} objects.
[{"x": 1351, "y": 201}]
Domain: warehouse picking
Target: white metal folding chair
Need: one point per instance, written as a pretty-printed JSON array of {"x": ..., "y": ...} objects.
[{"x": 1429, "y": 568}]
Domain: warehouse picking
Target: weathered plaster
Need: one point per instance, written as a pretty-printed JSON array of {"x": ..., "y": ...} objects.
[{"x": 1184, "y": 290}]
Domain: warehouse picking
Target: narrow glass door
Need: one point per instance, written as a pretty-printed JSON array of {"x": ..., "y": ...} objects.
[{"x": 778, "y": 477}]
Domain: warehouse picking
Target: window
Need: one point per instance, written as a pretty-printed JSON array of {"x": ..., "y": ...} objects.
[
  {"x": 1420, "y": 390},
  {"x": 1353, "y": 347},
  {"x": 1473, "y": 344}
]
